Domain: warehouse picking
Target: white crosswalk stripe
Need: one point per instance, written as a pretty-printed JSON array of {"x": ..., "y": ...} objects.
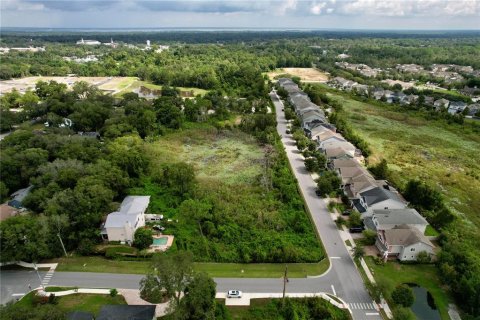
[
  {"x": 361, "y": 306},
  {"x": 48, "y": 276}
]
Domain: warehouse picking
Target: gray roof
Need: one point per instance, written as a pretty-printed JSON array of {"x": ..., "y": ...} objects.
[
  {"x": 129, "y": 210},
  {"x": 134, "y": 204},
  {"x": 379, "y": 194},
  {"x": 79, "y": 315},
  {"x": 404, "y": 235},
  {"x": 127, "y": 312},
  {"x": 394, "y": 217},
  {"x": 20, "y": 194}
]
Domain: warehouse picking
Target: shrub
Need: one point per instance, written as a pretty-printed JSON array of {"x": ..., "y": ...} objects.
[
  {"x": 424, "y": 257},
  {"x": 86, "y": 247},
  {"x": 403, "y": 314},
  {"x": 143, "y": 238},
  {"x": 115, "y": 252},
  {"x": 369, "y": 237},
  {"x": 402, "y": 295},
  {"x": 355, "y": 219},
  {"x": 113, "y": 292}
]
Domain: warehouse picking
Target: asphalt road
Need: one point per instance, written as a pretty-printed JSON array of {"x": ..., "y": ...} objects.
[
  {"x": 17, "y": 282},
  {"x": 342, "y": 279}
]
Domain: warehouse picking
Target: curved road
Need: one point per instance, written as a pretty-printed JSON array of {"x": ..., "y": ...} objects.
[{"x": 342, "y": 279}]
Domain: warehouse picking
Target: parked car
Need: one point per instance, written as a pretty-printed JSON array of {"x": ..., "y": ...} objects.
[
  {"x": 356, "y": 229},
  {"x": 158, "y": 227},
  {"x": 318, "y": 193},
  {"x": 287, "y": 132},
  {"x": 346, "y": 212},
  {"x": 157, "y": 217},
  {"x": 234, "y": 294}
]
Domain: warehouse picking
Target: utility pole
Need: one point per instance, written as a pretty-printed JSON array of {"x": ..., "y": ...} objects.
[
  {"x": 61, "y": 242},
  {"x": 285, "y": 280}
]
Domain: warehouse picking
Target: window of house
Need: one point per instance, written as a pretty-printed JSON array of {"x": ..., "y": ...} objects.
[{"x": 412, "y": 249}]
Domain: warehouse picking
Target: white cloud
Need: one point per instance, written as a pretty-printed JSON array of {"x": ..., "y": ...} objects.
[
  {"x": 285, "y": 6},
  {"x": 462, "y": 8},
  {"x": 18, "y": 5},
  {"x": 316, "y": 8}
]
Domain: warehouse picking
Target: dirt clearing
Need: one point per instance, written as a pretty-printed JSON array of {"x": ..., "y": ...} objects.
[{"x": 305, "y": 74}]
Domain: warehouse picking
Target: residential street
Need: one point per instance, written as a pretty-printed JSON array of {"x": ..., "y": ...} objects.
[{"x": 342, "y": 279}]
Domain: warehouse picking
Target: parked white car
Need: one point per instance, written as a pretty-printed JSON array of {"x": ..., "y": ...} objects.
[{"x": 234, "y": 294}]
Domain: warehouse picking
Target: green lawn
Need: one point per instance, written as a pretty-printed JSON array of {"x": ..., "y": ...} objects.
[
  {"x": 220, "y": 270},
  {"x": 77, "y": 302},
  {"x": 392, "y": 273},
  {"x": 88, "y": 302}
]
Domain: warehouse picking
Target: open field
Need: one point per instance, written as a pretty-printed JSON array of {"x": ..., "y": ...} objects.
[
  {"x": 136, "y": 84},
  {"x": 445, "y": 156},
  {"x": 393, "y": 273},
  {"x": 232, "y": 157},
  {"x": 217, "y": 270},
  {"x": 114, "y": 85},
  {"x": 305, "y": 74}
]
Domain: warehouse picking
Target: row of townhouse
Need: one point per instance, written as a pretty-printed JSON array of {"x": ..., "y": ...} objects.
[
  {"x": 452, "y": 107},
  {"x": 400, "y": 230}
]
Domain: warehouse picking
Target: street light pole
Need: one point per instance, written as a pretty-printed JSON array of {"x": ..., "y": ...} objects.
[
  {"x": 61, "y": 242},
  {"x": 38, "y": 274}
]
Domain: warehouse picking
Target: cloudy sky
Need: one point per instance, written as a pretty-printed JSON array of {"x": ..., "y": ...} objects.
[{"x": 283, "y": 14}]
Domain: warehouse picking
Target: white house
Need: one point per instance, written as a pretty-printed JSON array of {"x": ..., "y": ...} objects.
[
  {"x": 121, "y": 225},
  {"x": 403, "y": 242}
]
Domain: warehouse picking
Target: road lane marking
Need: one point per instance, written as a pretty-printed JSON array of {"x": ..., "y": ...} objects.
[
  {"x": 335, "y": 257},
  {"x": 333, "y": 289},
  {"x": 372, "y": 314}
]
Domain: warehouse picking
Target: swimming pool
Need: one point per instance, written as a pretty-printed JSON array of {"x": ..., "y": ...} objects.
[{"x": 160, "y": 241}]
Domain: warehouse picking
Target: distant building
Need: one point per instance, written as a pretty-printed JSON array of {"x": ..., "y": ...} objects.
[
  {"x": 111, "y": 43},
  {"x": 343, "y": 56},
  {"x": 88, "y": 42}
]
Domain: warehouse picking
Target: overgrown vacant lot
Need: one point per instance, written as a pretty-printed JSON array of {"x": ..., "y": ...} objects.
[
  {"x": 445, "y": 156},
  {"x": 230, "y": 157},
  {"x": 245, "y": 206}
]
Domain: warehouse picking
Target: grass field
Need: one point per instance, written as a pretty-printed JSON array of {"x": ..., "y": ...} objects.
[
  {"x": 305, "y": 74},
  {"x": 218, "y": 270},
  {"x": 446, "y": 156},
  {"x": 393, "y": 274},
  {"x": 232, "y": 157}
]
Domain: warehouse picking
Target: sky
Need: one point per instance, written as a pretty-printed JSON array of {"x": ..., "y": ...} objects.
[{"x": 274, "y": 14}]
